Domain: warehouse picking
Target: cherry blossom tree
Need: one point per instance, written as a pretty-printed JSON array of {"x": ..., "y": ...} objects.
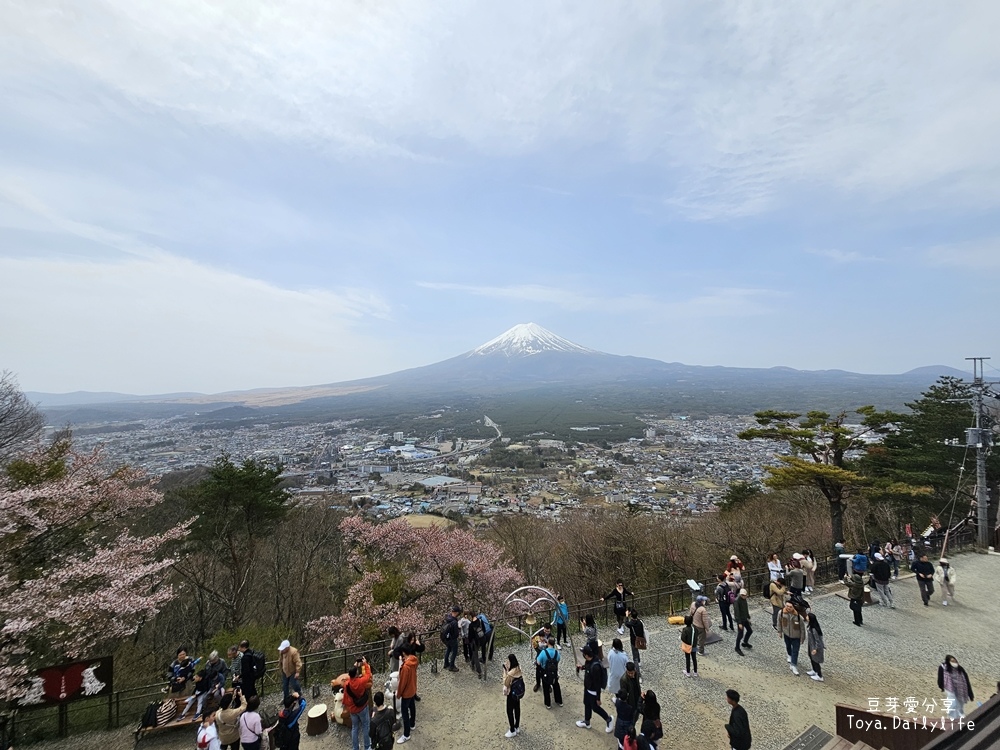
[
  {"x": 410, "y": 577},
  {"x": 74, "y": 578}
]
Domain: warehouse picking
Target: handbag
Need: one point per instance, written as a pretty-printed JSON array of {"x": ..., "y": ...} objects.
[
  {"x": 640, "y": 642},
  {"x": 686, "y": 647}
]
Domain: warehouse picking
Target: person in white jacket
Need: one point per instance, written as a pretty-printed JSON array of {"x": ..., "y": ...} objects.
[{"x": 944, "y": 574}]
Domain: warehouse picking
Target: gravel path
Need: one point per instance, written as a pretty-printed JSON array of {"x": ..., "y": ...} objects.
[{"x": 895, "y": 654}]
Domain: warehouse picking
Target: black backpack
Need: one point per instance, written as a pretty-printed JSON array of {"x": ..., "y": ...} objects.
[
  {"x": 446, "y": 634},
  {"x": 384, "y": 739},
  {"x": 281, "y": 734},
  {"x": 517, "y": 687},
  {"x": 599, "y": 673},
  {"x": 149, "y": 716},
  {"x": 259, "y": 664},
  {"x": 551, "y": 668}
]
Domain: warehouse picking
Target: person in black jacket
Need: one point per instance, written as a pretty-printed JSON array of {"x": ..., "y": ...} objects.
[
  {"x": 636, "y": 630},
  {"x": 450, "y": 633},
  {"x": 617, "y": 595},
  {"x": 739, "y": 723},
  {"x": 594, "y": 677},
  {"x": 925, "y": 578},
  {"x": 652, "y": 728},
  {"x": 248, "y": 670}
]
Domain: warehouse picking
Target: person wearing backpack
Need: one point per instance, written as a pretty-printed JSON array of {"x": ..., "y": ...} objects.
[
  {"x": 450, "y": 633},
  {"x": 357, "y": 691},
  {"x": 513, "y": 688},
  {"x": 594, "y": 678},
  {"x": 383, "y": 719},
  {"x": 252, "y": 667},
  {"x": 722, "y": 596},
  {"x": 406, "y": 691},
  {"x": 548, "y": 660},
  {"x": 475, "y": 640},
  {"x": 208, "y": 735},
  {"x": 487, "y": 639},
  {"x": 286, "y": 731}
]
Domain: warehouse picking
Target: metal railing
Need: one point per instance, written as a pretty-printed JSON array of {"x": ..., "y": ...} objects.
[{"x": 125, "y": 707}]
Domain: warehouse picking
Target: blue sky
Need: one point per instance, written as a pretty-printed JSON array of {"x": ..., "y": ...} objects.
[{"x": 218, "y": 196}]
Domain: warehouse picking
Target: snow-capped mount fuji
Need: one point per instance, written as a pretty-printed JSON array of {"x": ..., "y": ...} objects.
[{"x": 525, "y": 340}]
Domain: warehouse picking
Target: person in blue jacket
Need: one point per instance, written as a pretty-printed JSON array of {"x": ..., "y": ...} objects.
[
  {"x": 561, "y": 619},
  {"x": 859, "y": 563},
  {"x": 288, "y": 736},
  {"x": 487, "y": 639}
]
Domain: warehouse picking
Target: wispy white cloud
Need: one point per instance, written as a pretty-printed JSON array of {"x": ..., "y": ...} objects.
[
  {"x": 977, "y": 255},
  {"x": 737, "y": 106},
  {"x": 844, "y": 256},
  {"x": 715, "y": 302}
]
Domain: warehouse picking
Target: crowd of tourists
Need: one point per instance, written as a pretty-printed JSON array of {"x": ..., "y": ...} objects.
[{"x": 632, "y": 714}]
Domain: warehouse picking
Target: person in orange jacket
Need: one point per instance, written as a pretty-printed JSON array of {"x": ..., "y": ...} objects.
[
  {"x": 357, "y": 693},
  {"x": 406, "y": 691}
]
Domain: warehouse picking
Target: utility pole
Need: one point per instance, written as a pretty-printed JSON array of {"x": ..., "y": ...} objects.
[{"x": 979, "y": 437}]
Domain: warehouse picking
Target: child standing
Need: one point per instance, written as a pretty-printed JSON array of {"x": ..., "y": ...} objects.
[{"x": 687, "y": 646}]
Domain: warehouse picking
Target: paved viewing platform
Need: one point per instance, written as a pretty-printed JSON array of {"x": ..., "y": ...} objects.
[{"x": 895, "y": 655}]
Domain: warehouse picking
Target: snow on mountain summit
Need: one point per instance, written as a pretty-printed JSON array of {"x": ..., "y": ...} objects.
[{"x": 526, "y": 339}]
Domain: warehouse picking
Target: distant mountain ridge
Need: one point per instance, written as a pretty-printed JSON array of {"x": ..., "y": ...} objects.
[{"x": 529, "y": 357}]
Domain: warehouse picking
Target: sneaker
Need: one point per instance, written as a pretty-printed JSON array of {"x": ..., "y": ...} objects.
[
  {"x": 510, "y": 733},
  {"x": 621, "y": 631},
  {"x": 788, "y": 658},
  {"x": 694, "y": 674},
  {"x": 795, "y": 670},
  {"x": 404, "y": 738},
  {"x": 548, "y": 706},
  {"x": 559, "y": 704},
  {"x": 610, "y": 727},
  {"x": 810, "y": 673},
  {"x": 583, "y": 725},
  {"x": 686, "y": 673},
  {"x": 536, "y": 688},
  {"x": 944, "y": 604},
  {"x": 517, "y": 730},
  {"x": 816, "y": 677}
]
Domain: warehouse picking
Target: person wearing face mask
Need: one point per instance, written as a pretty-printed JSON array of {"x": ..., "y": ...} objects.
[{"x": 954, "y": 682}]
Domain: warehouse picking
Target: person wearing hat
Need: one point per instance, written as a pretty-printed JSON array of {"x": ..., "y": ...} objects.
[
  {"x": 945, "y": 577},
  {"x": 735, "y": 565},
  {"x": 290, "y": 664},
  {"x": 741, "y": 613}
]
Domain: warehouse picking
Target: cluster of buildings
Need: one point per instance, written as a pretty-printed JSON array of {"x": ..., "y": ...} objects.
[{"x": 681, "y": 467}]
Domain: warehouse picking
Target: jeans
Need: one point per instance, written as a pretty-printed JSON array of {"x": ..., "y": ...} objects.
[
  {"x": 513, "y": 712},
  {"x": 487, "y": 644},
  {"x": 884, "y": 593},
  {"x": 200, "y": 697},
  {"x": 409, "y": 708},
  {"x": 361, "y": 724},
  {"x": 450, "y": 653},
  {"x": 699, "y": 640},
  {"x": 689, "y": 660},
  {"x": 792, "y": 648},
  {"x": 590, "y": 707},
  {"x": 290, "y": 685},
  {"x": 775, "y": 611},
  {"x": 743, "y": 633},
  {"x": 727, "y": 615}
]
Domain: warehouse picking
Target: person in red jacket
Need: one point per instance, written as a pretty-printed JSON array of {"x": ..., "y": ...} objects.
[
  {"x": 406, "y": 691},
  {"x": 357, "y": 692}
]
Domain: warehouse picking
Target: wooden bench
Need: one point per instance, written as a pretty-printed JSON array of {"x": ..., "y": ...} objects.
[{"x": 143, "y": 732}]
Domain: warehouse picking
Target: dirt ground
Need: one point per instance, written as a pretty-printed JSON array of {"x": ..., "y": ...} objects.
[{"x": 894, "y": 655}]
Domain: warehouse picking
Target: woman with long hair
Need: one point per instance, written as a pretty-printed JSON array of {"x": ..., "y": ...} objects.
[
  {"x": 513, "y": 688},
  {"x": 954, "y": 681},
  {"x": 651, "y": 727},
  {"x": 817, "y": 648}
]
